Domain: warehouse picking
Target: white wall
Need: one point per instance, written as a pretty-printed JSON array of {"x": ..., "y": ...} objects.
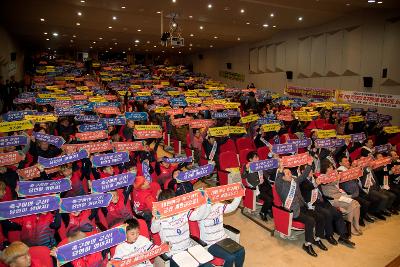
[
  {"x": 8, "y": 68},
  {"x": 334, "y": 55}
]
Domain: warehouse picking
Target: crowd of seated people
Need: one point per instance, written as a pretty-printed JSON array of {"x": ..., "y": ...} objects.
[{"x": 323, "y": 208}]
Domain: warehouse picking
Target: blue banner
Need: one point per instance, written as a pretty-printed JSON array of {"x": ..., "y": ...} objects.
[
  {"x": 92, "y": 127},
  {"x": 58, "y": 141},
  {"x": 113, "y": 182},
  {"x": 57, "y": 161},
  {"x": 86, "y": 202},
  {"x": 114, "y": 121},
  {"x": 34, "y": 188},
  {"x": 14, "y": 140},
  {"x": 195, "y": 173},
  {"x": 262, "y": 165},
  {"x": 110, "y": 159},
  {"x": 87, "y": 118},
  {"x": 136, "y": 116}
]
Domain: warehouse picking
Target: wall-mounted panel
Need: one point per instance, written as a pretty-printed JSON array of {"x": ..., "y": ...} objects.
[
  {"x": 352, "y": 51},
  {"x": 253, "y": 57},
  {"x": 304, "y": 65},
  {"x": 280, "y": 63},
  {"x": 271, "y": 53},
  {"x": 334, "y": 52},
  {"x": 318, "y": 55},
  {"x": 262, "y": 58},
  {"x": 391, "y": 47}
]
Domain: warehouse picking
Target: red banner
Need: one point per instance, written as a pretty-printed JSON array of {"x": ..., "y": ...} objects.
[
  {"x": 180, "y": 204},
  {"x": 328, "y": 178},
  {"x": 296, "y": 160},
  {"x": 363, "y": 162},
  {"x": 191, "y": 110},
  {"x": 128, "y": 146},
  {"x": 351, "y": 174},
  {"x": 145, "y": 134},
  {"x": 110, "y": 97},
  {"x": 93, "y": 147},
  {"x": 141, "y": 257},
  {"x": 10, "y": 158},
  {"x": 173, "y": 112},
  {"x": 91, "y": 136},
  {"x": 182, "y": 121},
  {"x": 381, "y": 162},
  {"x": 224, "y": 192},
  {"x": 33, "y": 172},
  {"x": 196, "y": 124},
  {"x": 108, "y": 110}
]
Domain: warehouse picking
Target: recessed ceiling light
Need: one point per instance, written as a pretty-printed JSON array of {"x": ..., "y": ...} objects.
[
  {"x": 190, "y": 48},
  {"x": 163, "y": 51},
  {"x": 190, "y": 44},
  {"x": 123, "y": 7},
  {"x": 106, "y": 51},
  {"x": 114, "y": 18},
  {"x": 55, "y": 34},
  {"x": 110, "y": 27},
  {"x": 71, "y": 41},
  {"x": 123, "y": 52},
  {"x": 148, "y": 42},
  {"x": 272, "y": 15},
  {"x": 94, "y": 42},
  {"x": 45, "y": 33},
  {"x": 179, "y": 52},
  {"x": 42, "y": 19},
  {"x": 215, "y": 37},
  {"x": 100, "y": 38},
  {"x": 242, "y": 11},
  {"x": 265, "y": 25},
  {"x": 158, "y": 12},
  {"x": 47, "y": 39},
  {"x": 238, "y": 38},
  {"x": 191, "y": 34},
  {"x": 91, "y": 47},
  {"x": 48, "y": 48},
  {"x": 300, "y": 18},
  {"x": 347, "y": 4},
  {"x": 209, "y": 6},
  {"x": 137, "y": 41},
  {"x": 172, "y": 47},
  {"x": 173, "y": 1},
  {"x": 139, "y": 30},
  {"x": 74, "y": 36},
  {"x": 379, "y": 2},
  {"x": 247, "y": 23},
  {"x": 82, "y": 1},
  {"x": 154, "y": 46},
  {"x": 201, "y": 27},
  {"x": 77, "y": 24},
  {"x": 273, "y": 26},
  {"x": 211, "y": 46},
  {"x": 190, "y": 17},
  {"x": 79, "y": 13},
  {"x": 135, "y": 44},
  {"x": 115, "y": 43},
  {"x": 371, "y": 1}
]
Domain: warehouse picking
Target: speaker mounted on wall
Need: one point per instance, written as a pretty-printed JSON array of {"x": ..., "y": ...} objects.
[
  {"x": 368, "y": 81},
  {"x": 229, "y": 66},
  {"x": 201, "y": 56},
  {"x": 384, "y": 73},
  {"x": 289, "y": 75}
]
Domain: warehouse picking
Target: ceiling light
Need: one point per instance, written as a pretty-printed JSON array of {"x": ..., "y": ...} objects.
[
  {"x": 179, "y": 52},
  {"x": 215, "y": 37},
  {"x": 211, "y": 46},
  {"x": 347, "y": 4},
  {"x": 371, "y": 1},
  {"x": 154, "y": 46},
  {"x": 300, "y": 18},
  {"x": 106, "y": 51},
  {"x": 94, "y": 42},
  {"x": 55, "y": 34},
  {"x": 71, "y": 41},
  {"x": 238, "y": 38},
  {"x": 123, "y": 7},
  {"x": 74, "y": 36},
  {"x": 209, "y": 6},
  {"x": 79, "y": 13},
  {"x": 272, "y": 15},
  {"x": 242, "y": 11},
  {"x": 201, "y": 27},
  {"x": 115, "y": 43},
  {"x": 123, "y": 52},
  {"x": 91, "y": 47},
  {"x": 158, "y": 12},
  {"x": 110, "y": 48},
  {"x": 163, "y": 51},
  {"x": 100, "y": 38},
  {"x": 139, "y": 30},
  {"x": 42, "y": 19},
  {"x": 172, "y": 47},
  {"x": 48, "y": 48},
  {"x": 114, "y": 18},
  {"x": 191, "y": 34},
  {"x": 148, "y": 42},
  {"x": 77, "y": 24},
  {"x": 273, "y": 26},
  {"x": 137, "y": 41},
  {"x": 110, "y": 27},
  {"x": 82, "y": 1},
  {"x": 47, "y": 39},
  {"x": 173, "y": 1},
  {"x": 135, "y": 44},
  {"x": 190, "y": 48},
  {"x": 265, "y": 25},
  {"x": 45, "y": 33},
  {"x": 379, "y": 2},
  {"x": 174, "y": 25},
  {"x": 247, "y": 23},
  {"x": 190, "y": 44},
  {"x": 190, "y": 17}
]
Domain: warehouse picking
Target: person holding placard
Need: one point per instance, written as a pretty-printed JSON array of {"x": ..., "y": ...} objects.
[
  {"x": 119, "y": 208},
  {"x": 212, "y": 231},
  {"x": 143, "y": 198},
  {"x": 340, "y": 199},
  {"x": 175, "y": 229},
  {"x": 288, "y": 187}
]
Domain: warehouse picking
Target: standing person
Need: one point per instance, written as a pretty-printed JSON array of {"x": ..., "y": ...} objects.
[{"x": 288, "y": 188}]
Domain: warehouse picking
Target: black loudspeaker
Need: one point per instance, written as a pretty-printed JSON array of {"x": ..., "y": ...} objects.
[
  {"x": 368, "y": 81},
  {"x": 384, "y": 73},
  {"x": 200, "y": 56},
  {"x": 13, "y": 56},
  {"x": 229, "y": 66},
  {"x": 289, "y": 75}
]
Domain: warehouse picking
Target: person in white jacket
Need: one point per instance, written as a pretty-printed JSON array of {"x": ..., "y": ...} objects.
[
  {"x": 212, "y": 230},
  {"x": 174, "y": 230}
]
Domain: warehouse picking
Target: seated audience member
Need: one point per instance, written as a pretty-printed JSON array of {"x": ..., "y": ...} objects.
[
  {"x": 259, "y": 181},
  {"x": 288, "y": 188},
  {"x": 175, "y": 229},
  {"x": 143, "y": 198},
  {"x": 333, "y": 218},
  {"x": 134, "y": 244},
  {"x": 340, "y": 200},
  {"x": 212, "y": 230},
  {"x": 18, "y": 254},
  {"x": 118, "y": 210},
  {"x": 178, "y": 187}
]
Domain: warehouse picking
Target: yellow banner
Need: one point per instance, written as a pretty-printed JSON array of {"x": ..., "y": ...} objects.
[
  {"x": 345, "y": 106},
  {"x": 97, "y": 99},
  {"x": 326, "y": 133},
  {"x": 41, "y": 118},
  {"x": 237, "y": 130},
  {"x": 287, "y": 102},
  {"x": 63, "y": 98},
  {"x": 52, "y": 87},
  {"x": 204, "y": 94},
  {"x": 147, "y": 128},
  {"x": 274, "y": 96},
  {"x": 135, "y": 86},
  {"x": 145, "y": 93},
  {"x": 88, "y": 93},
  {"x": 106, "y": 79},
  {"x": 272, "y": 127},
  {"x": 60, "y": 92},
  {"x": 300, "y": 113},
  {"x": 193, "y": 100},
  {"x": 343, "y": 137},
  {"x": 161, "y": 109},
  {"x": 219, "y": 131},
  {"x": 12, "y": 126},
  {"x": 249, "y": 118},
  {"x": 116, "y": 78},
  {"x": 165, "y": 83},
  {"x": 391, "y": 129},
  {"x": 219, "y": 101},
  {"x": 305, "y": 118},
  {"x": 231, "y": 105},
  {"x": 82, "y": 88},
  {"x": 174, "y": 93},
  {"x": 46, "y": 95},
  {"x": 307, "y": 108},
  {"x": 356, "y": 119},
  {"x": 313, "y": 113},
  {"x": 190, "y": 94},
  {"x": 122, "y": 93}
]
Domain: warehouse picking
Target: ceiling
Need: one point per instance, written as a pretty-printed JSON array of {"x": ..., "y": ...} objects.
[{"x": 224, "y": 24}]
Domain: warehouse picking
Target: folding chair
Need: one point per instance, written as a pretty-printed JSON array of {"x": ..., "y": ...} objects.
[
  {"x": 245, "y": 143},
  {"x": 263, "y": 152}
]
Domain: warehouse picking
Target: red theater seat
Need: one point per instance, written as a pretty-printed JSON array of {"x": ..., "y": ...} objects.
[
  {"x": 245, "y": 143},
  {"x": 227, "y": 159}
]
